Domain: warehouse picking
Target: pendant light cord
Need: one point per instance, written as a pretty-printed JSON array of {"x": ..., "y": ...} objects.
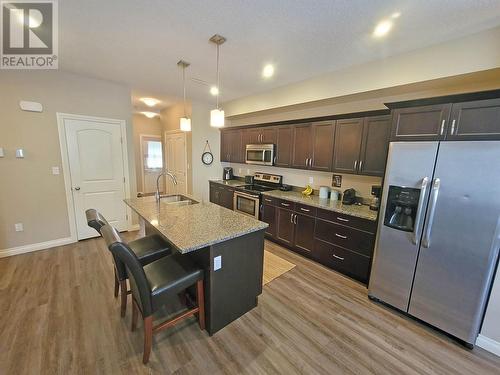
[
  {"x": 218, "y": 82},
  {"x": 184, "y": 88}
]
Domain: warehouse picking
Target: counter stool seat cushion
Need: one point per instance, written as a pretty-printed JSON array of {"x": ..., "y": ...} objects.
[
  {"x": 170, "y": 276},
  {"x": 150, "y": 248}
]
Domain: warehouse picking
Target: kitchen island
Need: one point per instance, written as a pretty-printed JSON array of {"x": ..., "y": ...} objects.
[{"x": 229, "y": 247}]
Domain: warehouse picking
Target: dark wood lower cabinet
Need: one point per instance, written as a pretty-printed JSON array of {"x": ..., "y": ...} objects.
[
  {"x": 304, "y": 233},
  {"x": 221, "y": 195},
  {"x": 285, "y": 226},
  {"x": 345, "y": 261},
  {"x": 342, "y": 242}
]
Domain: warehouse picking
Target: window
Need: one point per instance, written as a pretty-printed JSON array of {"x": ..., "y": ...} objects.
[{"x": 153, "y": 157}]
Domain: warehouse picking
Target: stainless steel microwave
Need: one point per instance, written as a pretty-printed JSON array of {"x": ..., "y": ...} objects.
[{"x": 260, "y": 154}]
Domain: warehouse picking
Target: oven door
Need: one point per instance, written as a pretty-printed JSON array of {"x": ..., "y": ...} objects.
[
  {"x": 260, "y": 154},
  {"x": 247, "y": 204}
]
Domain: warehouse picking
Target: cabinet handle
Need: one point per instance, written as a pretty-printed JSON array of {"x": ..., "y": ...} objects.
[
  {"x": 310, "y": 162},
  {"x": 337, "y": 257},
  {"x": 355, "y": 165},
  {"x": 274, "y": 160},
  {"x": 341, "y": 236},
  {"x": 360, "y": 165},
  {"x": 442, "y": 126},
  {"x": 285, "y": 204},
  {"x": 342, "y": 219},
  {"x": 453, "y": 127},
  {"x": 294, "y": 219},
  {"x": 304, "y": 209},
  {"x": 268, "y": 200},
  {"x": 291, "y": 218}
]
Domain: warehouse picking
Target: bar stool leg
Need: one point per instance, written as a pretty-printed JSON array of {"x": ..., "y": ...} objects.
[
  {"x": 123, "y": 307},
  {"x": 201, "y": 304},
  {"x": 148, "y": 338},
  {"x": 117, "y": 285}
]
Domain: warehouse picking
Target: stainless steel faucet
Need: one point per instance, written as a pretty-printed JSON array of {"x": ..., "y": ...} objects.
[{"x": 163, "y": 173}]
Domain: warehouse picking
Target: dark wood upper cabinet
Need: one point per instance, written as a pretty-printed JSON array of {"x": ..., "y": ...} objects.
[
  {"x": 476, "y": 120},
  {"x": 348, "y": 138},
  {"x": 375, "y": 145},
  {"x": 285, "y": 227},
  {"x": 322, "y": 145},
  {"x": 269, "y": 216},
  {"x": 302, "y": 145},
  {"x": 268, "y": 135},
  {"x": 426, "y": 123},
  {"x": 304, "y": 232},
  {"x": 230, "y": 149},
  {"x": 284, "y": 141}
]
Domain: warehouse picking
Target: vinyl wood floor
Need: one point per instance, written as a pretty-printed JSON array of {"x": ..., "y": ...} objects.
[{"x": 58, "y": 316}]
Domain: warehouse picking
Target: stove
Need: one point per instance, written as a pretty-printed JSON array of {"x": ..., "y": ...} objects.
[{"x": 247, "y": 197}]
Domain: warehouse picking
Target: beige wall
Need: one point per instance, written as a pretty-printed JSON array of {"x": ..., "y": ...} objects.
[
  {"x": 202, "y": 131},
  {"x": 474, "y": 53},
  {"x": 169, "y": 119},
  {"x": 143, "y": 126},
  {"x": 29, "y": 193}
]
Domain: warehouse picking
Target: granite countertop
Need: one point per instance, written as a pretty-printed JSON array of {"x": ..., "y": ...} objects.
[
  {"x": 195, "y": 226},
  {"x": 363, "y": 211},
  {"x": 231, "y": 183}
]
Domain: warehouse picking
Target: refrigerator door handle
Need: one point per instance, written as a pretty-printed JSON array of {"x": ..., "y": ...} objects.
[
  {"x": 426, "y": 240},
  {"x": 418, "y": 217}
]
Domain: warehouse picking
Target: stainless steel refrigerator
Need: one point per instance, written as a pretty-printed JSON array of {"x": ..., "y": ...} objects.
[{"x": 439, "y": 233}]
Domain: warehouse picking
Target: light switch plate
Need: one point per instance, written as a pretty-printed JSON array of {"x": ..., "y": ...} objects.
[
  {"x": 311, "y": 180},
  {"x": 19, "y": 227},
  {"x": 55, "y": 170},
  {"x": 1, "y": 152},
  {"x": 217, "y": 263}
]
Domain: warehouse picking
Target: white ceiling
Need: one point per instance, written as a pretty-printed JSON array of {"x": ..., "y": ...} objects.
[{"x": 138, "y": 43}]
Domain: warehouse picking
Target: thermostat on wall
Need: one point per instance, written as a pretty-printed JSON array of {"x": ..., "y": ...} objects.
[{"x": 30, "y": 106}]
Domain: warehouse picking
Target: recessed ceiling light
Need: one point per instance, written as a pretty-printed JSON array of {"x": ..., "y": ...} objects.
[
  {"x": 149, "y": 114},
  {"x": 214, "y": 90},
  {"x": 268, "y": 71},
  {"x": 382, "y": 28},
  {"x": 150, "y": 102},
  {"x": 395, "y": 15}
]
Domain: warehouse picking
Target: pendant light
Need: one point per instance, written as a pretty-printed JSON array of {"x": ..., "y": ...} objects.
[
  {"x": 217, "y": 114},
  {"x": 185, "y": 122}
]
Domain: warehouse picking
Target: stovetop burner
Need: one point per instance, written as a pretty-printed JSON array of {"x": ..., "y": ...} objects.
[{"x": 256, "y": 188}]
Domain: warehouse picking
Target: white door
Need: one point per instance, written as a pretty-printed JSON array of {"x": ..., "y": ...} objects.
[
  {"x": 97, "y": 172},
  {"x": 176, "y": 161},
  {"x": 152, "y": 162}
]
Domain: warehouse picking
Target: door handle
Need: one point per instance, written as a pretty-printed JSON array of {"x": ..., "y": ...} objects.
[
  {"x": 77, "y": 188},
  {"x": 426, "y": 241},
  {"x": 419, "y": 214}
]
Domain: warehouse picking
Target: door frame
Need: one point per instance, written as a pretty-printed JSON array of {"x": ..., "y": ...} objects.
[
  {"x": 184, "y": 135},
  {"x": 66, "y": 169},
  {"x": 141, "y": 150}
]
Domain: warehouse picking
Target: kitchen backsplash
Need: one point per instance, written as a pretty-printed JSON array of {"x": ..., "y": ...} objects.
[{"x": 297, "y": 177}]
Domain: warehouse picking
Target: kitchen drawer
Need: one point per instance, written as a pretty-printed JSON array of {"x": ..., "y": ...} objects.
[
  {"x": 347, "y": 237},
  {"x": 285, "y": 204},
  {"x": 342, "y": 260},
  {"x": 269, "y": 200},
  {"x": 352, "y": 221},
  {"x": 305, "y": 209}
]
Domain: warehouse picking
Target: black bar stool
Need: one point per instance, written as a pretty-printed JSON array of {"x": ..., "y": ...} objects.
[
  {"x": 154, "y": 284},
  {"x": 147, "y": 249}
]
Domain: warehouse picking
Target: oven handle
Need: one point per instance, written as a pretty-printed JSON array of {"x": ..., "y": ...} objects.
[{"x": 246, "y": 195}]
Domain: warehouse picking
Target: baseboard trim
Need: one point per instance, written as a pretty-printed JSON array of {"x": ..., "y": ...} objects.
[
  {"x": 488, "y": 344},
  {"x": 35, "y": 247}
]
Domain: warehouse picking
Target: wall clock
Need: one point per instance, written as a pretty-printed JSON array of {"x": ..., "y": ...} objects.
[{"x": 207, "y": 157}]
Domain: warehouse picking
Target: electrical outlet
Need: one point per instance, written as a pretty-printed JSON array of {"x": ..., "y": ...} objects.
[
  {"x": 311, "y": 180},
  {"x": 217, "y": 262},
  {"x": 239, "y": 171},
  {"x": 19, "y": 227},
  {"x": 55, "y": 170},
  {"x": 1, "y": 152}
]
